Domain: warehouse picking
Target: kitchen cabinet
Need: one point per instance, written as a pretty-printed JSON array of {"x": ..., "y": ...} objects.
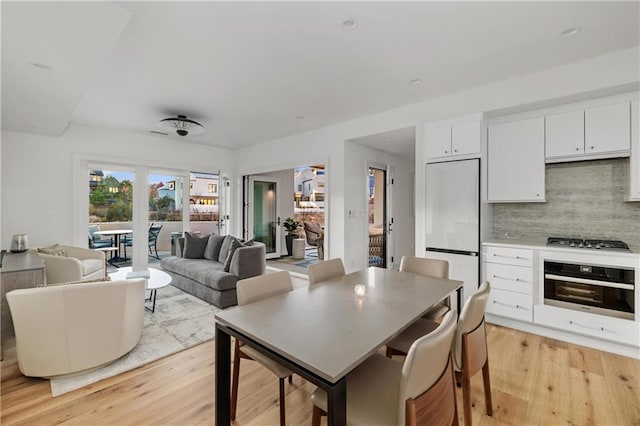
[
  {"x": 515, "y": 161},
  {"x": 454, "y": 139},
  {"x": 510, "y": 274},
  {"x": 607, "y": 128},
  {"x": 597, "y": 132},
  {"x": 634, "y": 169},
  {"x": 564, "y": 134}
]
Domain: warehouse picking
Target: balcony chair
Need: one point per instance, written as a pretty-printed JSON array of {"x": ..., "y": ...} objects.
[
  {"x": 315, "y": 236},
  {"x": 325, "y": 270},
  {"x": 421, "y": 391},
  {"x": 154, "y": 231},
  {"x": 95, "y": 241},
  {"x": 251, "y": 290}
]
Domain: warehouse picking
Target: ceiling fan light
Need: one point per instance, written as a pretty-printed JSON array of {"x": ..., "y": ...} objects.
[{"x": 181, "y": 125}]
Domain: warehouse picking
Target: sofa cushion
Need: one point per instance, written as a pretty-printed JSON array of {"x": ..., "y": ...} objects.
[
  {"x": 224, "y": 249},
  {"x": 212, "y": 250},
  {"x": 90, "y": 266},
  {"x": 235, "y": 244},
  {"x": 194, "y": 246},
  {"x": 206, "y": 272}
]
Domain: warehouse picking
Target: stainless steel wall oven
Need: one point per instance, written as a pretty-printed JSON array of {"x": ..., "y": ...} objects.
[{"x": 590, "y": 288}]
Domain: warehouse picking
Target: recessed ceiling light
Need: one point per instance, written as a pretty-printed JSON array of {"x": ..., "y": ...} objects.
[
  {"x": 299, "y": 117},
  {"x": 349, "y": 24},
  {"x": 570, "y": 32},
  {"x": 40, "y": 66},
  {"x": 415, "y": 81}
]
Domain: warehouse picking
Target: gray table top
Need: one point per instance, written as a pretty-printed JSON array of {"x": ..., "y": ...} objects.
[{"x": 327, "y": 329}]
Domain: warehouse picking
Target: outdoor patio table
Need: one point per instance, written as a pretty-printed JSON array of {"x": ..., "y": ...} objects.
[
  {"x": 115, "y": 233},
  {"x": 324, "y": 331}
]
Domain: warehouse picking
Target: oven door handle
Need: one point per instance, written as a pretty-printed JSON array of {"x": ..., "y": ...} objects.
[{"x": 589, "y": 282}]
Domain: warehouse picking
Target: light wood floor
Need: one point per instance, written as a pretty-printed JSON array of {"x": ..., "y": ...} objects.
[{"x": 535, "y": 380}]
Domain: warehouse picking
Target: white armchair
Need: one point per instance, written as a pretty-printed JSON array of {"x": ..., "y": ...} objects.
[
  {"x": 69, "y": 328},
  {"x": 77, "y": 264}
]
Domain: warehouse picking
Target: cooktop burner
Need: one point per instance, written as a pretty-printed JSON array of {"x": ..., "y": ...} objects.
[{"x": 588, "y": 244}]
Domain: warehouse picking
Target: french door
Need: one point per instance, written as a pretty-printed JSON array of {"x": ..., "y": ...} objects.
[
  {"x": 380, "y": 218},
  {"x": 261, "y": 213}
]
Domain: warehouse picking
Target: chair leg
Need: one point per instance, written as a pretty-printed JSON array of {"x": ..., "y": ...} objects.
[
  {"x": 316, "y": 416},
  {"x": 282, "y": 420},
  {"x": 234, "y": 381},
  {"x": 291, "y": 379},
  {"x": 487, "y": 388},
  {"x": 466, "y": 397}
]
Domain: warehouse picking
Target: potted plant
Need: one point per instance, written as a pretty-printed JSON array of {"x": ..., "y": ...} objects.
[{"x": 291, "y": 225}]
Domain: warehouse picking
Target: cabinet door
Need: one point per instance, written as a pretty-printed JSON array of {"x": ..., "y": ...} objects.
[
  {"x": 438, "y": 142},
  {"x": 634, "y": 192},
  {"x": 515, "y": 161},
  {"x": 465, "y": 138},
  {"x": 607, "y": 128},
  {"x": 564, "y": 134}
]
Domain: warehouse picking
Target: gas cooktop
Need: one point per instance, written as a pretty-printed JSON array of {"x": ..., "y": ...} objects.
[{"x": 588, "y": 244}]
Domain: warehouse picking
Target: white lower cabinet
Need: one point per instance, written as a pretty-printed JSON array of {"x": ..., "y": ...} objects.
[
  {"x": 598, "y": 326},
  {"x": 510, "y": 304}
]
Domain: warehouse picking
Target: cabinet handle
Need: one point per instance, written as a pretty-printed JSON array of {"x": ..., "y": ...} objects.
[
  {"x": 455, "y": 150},
  {"x": 446, "y": 152},
  {"x": 586, "y": 326},
  {"x": 592, "y": 147},
  {"x": 577, "y": 149},
  {"x": 509, "y": 278},
  {"x": 537, "y": 195},
  {"x": 495, "y": 302},
  {"x": 509, "y": 257}
]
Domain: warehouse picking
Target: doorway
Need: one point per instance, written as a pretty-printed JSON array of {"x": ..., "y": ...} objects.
[
  {"x": 263, "y": 218},
  {"x": 380, "y": 220}
]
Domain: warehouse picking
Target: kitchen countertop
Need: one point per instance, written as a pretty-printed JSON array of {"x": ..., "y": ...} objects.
[{"x": 542, "y": 245}]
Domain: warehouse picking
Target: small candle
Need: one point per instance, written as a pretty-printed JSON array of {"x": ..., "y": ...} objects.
[{"x": 360, "y": 290}]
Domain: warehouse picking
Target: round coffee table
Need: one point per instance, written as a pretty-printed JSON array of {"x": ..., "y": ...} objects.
[{"x": 157, "y": 279}]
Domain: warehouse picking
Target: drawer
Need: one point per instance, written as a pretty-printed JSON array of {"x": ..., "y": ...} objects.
[
  {"x": 509, "y": 256},
  {"x": 598, "y": 326},
  {"x": 509, "y": 277},
  {"x": 511, "y": 305}
]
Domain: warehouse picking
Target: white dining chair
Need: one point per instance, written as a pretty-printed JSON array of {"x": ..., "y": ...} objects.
[
  {"x": 325, "y": 270},
  {"x": 470, "y": 349},
  {"x": 382, "y": 391},
  {"x": 428, "y": 267},
  {"x": 252, "y": 290}
]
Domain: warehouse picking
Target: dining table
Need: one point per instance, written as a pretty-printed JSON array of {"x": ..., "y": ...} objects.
[
  {"x": 115, "y": 233},
  {"x": 323, "y": 331}
]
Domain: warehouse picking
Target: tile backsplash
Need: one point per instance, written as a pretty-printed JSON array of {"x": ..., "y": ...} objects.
[{"x": 584, "y": 200}]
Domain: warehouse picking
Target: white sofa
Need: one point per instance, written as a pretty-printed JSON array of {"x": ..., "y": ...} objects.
[
  {"x": 70, "y": 328},
  {"x": 77, "y": 264}
]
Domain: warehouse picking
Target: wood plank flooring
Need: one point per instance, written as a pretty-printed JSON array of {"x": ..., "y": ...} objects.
[{"x": 535, "y": 380}]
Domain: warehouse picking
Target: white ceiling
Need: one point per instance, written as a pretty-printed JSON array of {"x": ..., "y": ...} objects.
[
  {"x": 246, "y": 70},
  {"x": 400, "y": 142}
]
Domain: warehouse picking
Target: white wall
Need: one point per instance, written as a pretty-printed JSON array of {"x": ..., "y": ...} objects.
[
  {"x": 37, "y": 174},
  {"x": 596, "y": 74}
]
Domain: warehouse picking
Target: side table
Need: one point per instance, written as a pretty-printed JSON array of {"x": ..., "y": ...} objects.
[{"x": 298, "y": 245}]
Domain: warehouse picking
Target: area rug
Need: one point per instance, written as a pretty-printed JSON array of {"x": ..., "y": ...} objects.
[{"x": 180, "y": 321}]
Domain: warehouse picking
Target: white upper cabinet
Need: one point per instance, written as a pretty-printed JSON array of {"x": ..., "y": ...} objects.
[
  {"x": 607, "y": 128},
  {"x": 515, "y": 161},
  {"x": 634, "y": 187},
  {"x": 453, "y": 139},
  {"x": 564, "y": 134}
]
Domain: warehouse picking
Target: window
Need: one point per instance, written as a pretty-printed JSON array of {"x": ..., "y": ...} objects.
[{"x": 213, "y": 188}]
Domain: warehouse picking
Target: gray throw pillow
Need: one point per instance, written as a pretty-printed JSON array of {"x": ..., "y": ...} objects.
[
  {"x": 55, "y": 250},
  {"x": 235, "y": 244},
  {"x": 224, "y": 249},
  {"x": 212, "y": 251},
  {"x": 194, "y": 246}
]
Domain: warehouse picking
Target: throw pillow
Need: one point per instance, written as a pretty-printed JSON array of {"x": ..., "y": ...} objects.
[
  {"x": 224, "y": 249},
  {"x": 235, "y": 244},
  {"x": 55, "y": 250},
  {"x": 194, "y": 246},
  {"x": 212, "y": 251}
]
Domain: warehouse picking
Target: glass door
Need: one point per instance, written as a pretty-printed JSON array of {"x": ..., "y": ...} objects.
[
  {"x": 380, "y": 223},
  {"x": 263, "y": 216}
]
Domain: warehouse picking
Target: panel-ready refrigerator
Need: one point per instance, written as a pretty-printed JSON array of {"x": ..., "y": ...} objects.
[{"x": 453, "y": 219}]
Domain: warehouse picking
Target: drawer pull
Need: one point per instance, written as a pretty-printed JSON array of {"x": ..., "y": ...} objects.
[
  {"x": 510, "y": 257},
  {"x": 586, "y": 326},
  {"x": 518, "y": 280},
  {"x": 509, "y": 305}
]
